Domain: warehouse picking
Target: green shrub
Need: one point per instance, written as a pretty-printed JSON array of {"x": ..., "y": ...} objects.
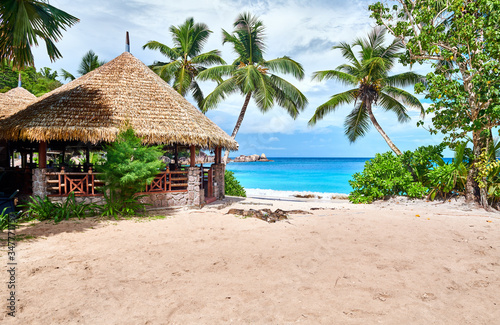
[
  {"x": 233, "y": 187},
  {"x": 384, "y": 175},
  {"x": 6, "y": 219},
  {"x": 129, "y": 166},
  {"x": 44, "y": 209}
]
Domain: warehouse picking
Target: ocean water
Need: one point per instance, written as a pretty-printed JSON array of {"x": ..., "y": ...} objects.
[{"x": 288, "y": 176}]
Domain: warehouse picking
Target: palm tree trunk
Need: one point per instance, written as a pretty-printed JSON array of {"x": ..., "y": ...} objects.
[
  {"x": 379, "y": 129},
  {"x": 238, "y": 123}
]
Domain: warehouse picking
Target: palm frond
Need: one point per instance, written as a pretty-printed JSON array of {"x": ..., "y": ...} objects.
[
  {"x": 264, "y": 93},
  {"x": 167, "y": 71},
  {"x": 216, "y": 73},
  {"x": 357, "y": 123},
  {"x": 285, "y": 65},
  {"x": 288, "y": 96},
  {"x": 183, "y": 79},
  {"x": 337, "y": 100},
  {"x": 172, "y": 54},
  {"x": 347, "y": 53},
  {"x": 66, "y": 75},
  {"x": 404, "y": 79},
  {"x": 224, "y": 89},
  {"x": 209, "y": 58},
  {"x": 344, "y": 78},
  {"x": 404, "y": 97},
  {"x": 391, "y": 104},
  {"x": 197, "y": 94}
]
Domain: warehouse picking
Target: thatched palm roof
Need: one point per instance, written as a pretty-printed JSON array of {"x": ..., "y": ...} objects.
[
  {"x": 14, "y": 100},
  {"x": 95, "y": 106}
]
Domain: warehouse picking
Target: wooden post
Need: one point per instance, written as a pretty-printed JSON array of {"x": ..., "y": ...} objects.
[
  {"x": 42, "y": 154},
  {"x": 176, "y": 155},
  {"x": 193, "y": 155},
  {"x": 218, "y": 153}
]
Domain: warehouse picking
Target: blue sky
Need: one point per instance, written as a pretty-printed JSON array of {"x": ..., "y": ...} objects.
[{"x": 303, "y": 30}]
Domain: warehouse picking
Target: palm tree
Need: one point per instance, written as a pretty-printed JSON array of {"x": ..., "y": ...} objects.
[
  {"x": 251, "y": 75},
  {"x": 186, "y": 59},
  {"x": 373, "y": 86},
  {"x": 90, "y": 61},
  {"x": 22, "y": 22}
]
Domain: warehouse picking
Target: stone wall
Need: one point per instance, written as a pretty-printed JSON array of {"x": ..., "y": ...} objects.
[
  {"x": 219, "y": 188},
  {"x": 99, "y": 200},
  {"x": 163, "y": 200},
  {"x": 39, "y": 179},
  {"x": 196, "y": 195}
]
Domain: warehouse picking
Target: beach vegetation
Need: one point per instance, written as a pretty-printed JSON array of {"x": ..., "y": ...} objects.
[
  {"x": 90, "y": 61},
  {"x": 370, "y": 61},
  {"x": 186, "y": 59},
  {"x": 252, "y": 76},
  {"x": 7, "y": 219},
  {"x": 384, "y": 176},
  {"x": 232, "y": 185},
  {"x": 36, "y": 82},
  {"x": 460, "y": 40},
  {"x": 44, "y": 209},
  {"x": 23, "y": 22},
  {"x": 129, "y": 166}
]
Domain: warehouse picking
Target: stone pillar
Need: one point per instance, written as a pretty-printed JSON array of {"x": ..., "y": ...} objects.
[
  {"x": 40, "y": 182},
  {"x": 196, "y": 195},
  {"x": 219, "y": 185}
]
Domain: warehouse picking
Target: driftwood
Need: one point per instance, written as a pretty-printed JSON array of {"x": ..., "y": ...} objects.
[{"x": 266, "y": 214}]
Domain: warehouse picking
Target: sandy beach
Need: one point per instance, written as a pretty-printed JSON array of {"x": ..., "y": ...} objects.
[{"x": 397, "y": 262}]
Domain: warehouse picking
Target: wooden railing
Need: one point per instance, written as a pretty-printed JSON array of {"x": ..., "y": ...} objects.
[
  {"x": 169, "y": 181},
  {"x": 88, "y": 184},
  {"x": 81, "y": 184}
]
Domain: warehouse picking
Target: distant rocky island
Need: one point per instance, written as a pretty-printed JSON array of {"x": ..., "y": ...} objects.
[{"x": 203, "y": 158}]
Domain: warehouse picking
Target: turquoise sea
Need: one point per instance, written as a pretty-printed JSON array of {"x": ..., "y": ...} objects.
[{"x": 323, "y": 175}]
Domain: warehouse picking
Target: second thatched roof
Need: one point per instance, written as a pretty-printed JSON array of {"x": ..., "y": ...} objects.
[
  {"x": 94, "y": 107},
  {"x": 14, "y": 100}
]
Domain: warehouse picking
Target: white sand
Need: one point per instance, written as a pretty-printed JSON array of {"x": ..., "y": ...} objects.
[{"x": 344, "y": 264}]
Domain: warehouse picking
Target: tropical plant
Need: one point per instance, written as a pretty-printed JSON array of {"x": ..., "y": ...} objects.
[
  {"x": 369, "y": 74},
  {"x": 22, "y": 22},
  {"x": 488, "y": 176},
  {"x": 45, "y": 209},
  {"x": 384, "y": 176},
  {"x": 465, "y": 92},
  {"x": 129, "y": 166},
  {"x": 232, "y": 185},
  {"x": 186, "y": 59},
  {"x": 90, "y": 62},
  {"x": 38, "y": 83},
  {"x": 7, "y": 219},
  {"x": 252, "y": 76}
]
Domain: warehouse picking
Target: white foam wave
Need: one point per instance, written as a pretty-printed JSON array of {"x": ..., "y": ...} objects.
[{"x": 258, "y": 192}]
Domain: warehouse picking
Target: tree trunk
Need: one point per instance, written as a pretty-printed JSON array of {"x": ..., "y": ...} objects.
[
  {"x": 238, "y": 123},
  {"x": 379, "y": 129},
  {"x": 472, "y": 191}
]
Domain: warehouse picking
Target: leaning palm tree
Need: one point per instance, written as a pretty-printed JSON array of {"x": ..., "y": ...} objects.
[
  {"x": 22, "y": 22},
  {"x": 90, "y": 62},
  {"x": 186, "y": 59},
  {"x": 251, "y": 75},
  {"x": 373, "y": 86}
]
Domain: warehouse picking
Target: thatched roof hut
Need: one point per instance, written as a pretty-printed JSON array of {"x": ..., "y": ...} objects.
[
  {"x": 95, "y": 106},
  {"x": 14, "y": 100}
]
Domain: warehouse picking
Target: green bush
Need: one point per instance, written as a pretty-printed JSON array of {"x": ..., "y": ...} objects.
[
  {"x": 385, "y": 175},
  {"x": 4, "y": 219},
  {"x": 44, "y": 209},
  {"x": 129, "y": 166},
  {"x": 233, "y": 187}
]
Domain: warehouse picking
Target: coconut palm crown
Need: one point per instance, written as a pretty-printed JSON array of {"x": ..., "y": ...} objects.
[
  {"x": 186, "y": 59},
  {"x": 90, "y": 61},
  {"x": 252, "y": 76},
  {"x": 23, "y": 22},
  {"x": 369, "y": 74}
]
